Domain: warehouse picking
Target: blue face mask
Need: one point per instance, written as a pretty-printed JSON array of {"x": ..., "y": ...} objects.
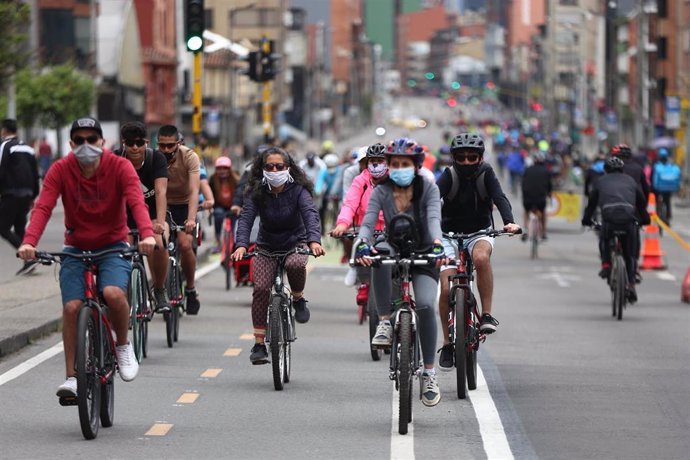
[{"x": 402, "y": 176}]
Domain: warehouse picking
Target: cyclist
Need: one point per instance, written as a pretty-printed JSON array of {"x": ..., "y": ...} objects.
[
  {"x": 536, "y": 188},
  {"x": 407, "y": 193},
  {"x": 469, "y": 190},
  {"x": 622, "y": 205},
  {"x": 223, "y": 184},
  {"x": 355, "y": 168},
  {"x": 279, "y": 193},
  {"x": 183, "y": 202},
  {"x": 666, "y": 177},
  {"x": 152, "y": 170},
  {"x": 328, "y": 185},
  {"x": 95, "y": 186},
  {"x": 312, "y": 166}
]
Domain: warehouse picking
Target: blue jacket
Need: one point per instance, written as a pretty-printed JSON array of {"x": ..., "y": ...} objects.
[{"x": 287, "y": 219}]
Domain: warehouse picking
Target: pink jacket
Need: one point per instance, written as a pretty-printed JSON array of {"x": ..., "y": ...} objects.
[{"x": 356, "y": 201}]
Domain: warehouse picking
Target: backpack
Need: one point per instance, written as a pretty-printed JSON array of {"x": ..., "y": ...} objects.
[
  {"x": 480, "y": 184},
  {"x": 666, "y": 177}
]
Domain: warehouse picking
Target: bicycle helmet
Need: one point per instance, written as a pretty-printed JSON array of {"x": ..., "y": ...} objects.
[
  {"x": 663, "y": 152},
  {"x": 360, "y": 154},
  {"x": 539, "y": 157},
  {"x": 331, "y": 160},
  {"x": 223, "y": 162},
  {"x": 405, "y": 147},
  {"x": 327, "y": 146},
  {"x": 613, "y": 164},
  {"x": 377, "y": 150},
  {"x": 467, "y": 141},
  {"x": 621, "y": 150}
]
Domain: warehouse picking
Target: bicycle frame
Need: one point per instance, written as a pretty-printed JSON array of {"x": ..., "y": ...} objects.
[
  {"x": 406, "y": 305},
  {"x": 463, "y": 280}
]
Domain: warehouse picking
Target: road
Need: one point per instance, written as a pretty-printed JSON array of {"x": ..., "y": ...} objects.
[{"x": 564, "y": 379}]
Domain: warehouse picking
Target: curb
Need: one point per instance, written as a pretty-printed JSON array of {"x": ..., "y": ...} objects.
[{"x": 22, "y": 339}]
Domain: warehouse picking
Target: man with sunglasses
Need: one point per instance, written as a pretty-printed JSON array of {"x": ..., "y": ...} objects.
[
  {"x": 469, "y": 189},
  {"x": 152, "y": 170},
  {"x": 96, "y": 187},
  {"x": 183, "y": 202}
]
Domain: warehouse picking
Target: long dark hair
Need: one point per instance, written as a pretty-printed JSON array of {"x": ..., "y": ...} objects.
[{"x": 255, "y": 187}]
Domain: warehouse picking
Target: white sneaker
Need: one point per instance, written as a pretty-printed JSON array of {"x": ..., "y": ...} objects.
[
  {"x": 127, "y": 362},
  {"x": 68, "y": 389},
  {"x": 430, "y": 392},
  {"x": 384, "y": 335},
  {"x": 351, "y": 276}
]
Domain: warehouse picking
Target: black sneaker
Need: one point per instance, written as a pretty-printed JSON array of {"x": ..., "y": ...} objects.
[
  {"x": 631, "y": 294},
  {"x": 301, "y": 311},
  {"x": 488, "y": 324},
  {"x": 445, "y": 360},
  {"x": 638, "y": 277},
  {"x": 27, "y": 268},
  {"x": 193, "y": 304},
  {"x": 605, "y": 272},
  {"x": 259, "y": 354},
  {"x": 162, "y": 304}
]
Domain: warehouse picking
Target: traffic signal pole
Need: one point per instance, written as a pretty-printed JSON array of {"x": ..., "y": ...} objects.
[
  {"x": 266, "y": 95},
  {"x": 196, "y": 95}
]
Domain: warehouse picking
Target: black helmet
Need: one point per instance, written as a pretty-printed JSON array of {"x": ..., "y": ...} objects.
[
  {"x": 377, "y": 150},
  {"x": 613, "y": 164},
  {"x": 467, "y": 141},
  {"x": 621, "y": 151}
]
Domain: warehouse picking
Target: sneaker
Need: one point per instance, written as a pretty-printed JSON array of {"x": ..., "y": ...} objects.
[
  {"x": 27, "y": 268},
  {"x": 127, "y": 362},
  {"x": 524, "y": 237},
  {"x": 193, "y": 304},
  {"x": 638, "y": 277},
  {"x": 259, "y": 354},
  {"x": 605, "y": 271},
  {"x": 162, "y": 303},
  {"x": 445, "y": 361},
  {"x": 351, "y": 276},
  {"x": 430, "y": 392},
  {"x": 68, "y": 389},
  {"x": 215, "y": 250},
  {"x": 384, "y": 335},
  {"x": 301, "y": 311},
  {"x": 631, "y": 293},
  {"x": 488, "y": 324}
]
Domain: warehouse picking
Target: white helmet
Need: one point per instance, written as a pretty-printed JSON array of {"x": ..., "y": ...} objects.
[{"x": 331, "y": 160}]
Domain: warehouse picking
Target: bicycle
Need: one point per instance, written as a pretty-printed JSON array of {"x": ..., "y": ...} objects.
[
  {"x": 618, "y": 278},
  {"x": 281, "y": 323},
  {"x": 96, "y": 361},
  {"x": 406, "y": 357},
  {"x": 226, "y": 250},
  {"x": 140, "y": 298},
  {"x": 466, "y": 339},
  {"x": 174, "y": 286},
  {"x": 534, "y": 231}
]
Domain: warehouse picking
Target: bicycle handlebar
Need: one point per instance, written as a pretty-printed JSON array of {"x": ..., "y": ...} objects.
[
  {"x": 276, "y": 255},
  {"x": 354, "y": 235},
  {"x": 486, "y": 232},
  {"x": 414, "y": 259},
  {"x": 49, "y": 258}
]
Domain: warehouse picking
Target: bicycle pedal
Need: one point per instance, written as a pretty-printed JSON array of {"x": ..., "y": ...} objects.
[{"x": 68, "y": 401}]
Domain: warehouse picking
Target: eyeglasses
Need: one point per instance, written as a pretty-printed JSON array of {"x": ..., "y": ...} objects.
[
  {"x": 467, "y": 157},
  {"x": 167, "y": 146},
  {"x": 133, "y": 142},
  {"x": 275, "y": 167},
  {"x": 79, "y": 140}
]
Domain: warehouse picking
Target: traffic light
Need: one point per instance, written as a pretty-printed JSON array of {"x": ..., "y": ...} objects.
[
  {"x": 253, "y": 69},
  {"x": 429, "y": 76},
  {"x": 268, "y": 60},
  {"x": 194, "y": 25}
]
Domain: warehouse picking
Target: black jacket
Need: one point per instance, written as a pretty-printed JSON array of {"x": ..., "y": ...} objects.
[
  {"x": 620, "y": 199},
  {"x": 536, "y": 183},
  {"x": 634, "y": 170},
  {"x": 18, "y": 169},
  {"x": 467, "y": 212}
]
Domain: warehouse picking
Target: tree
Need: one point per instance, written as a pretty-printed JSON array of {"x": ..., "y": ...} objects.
[
  {"x": 54, "y": 98},
  {"x": 15, "y": 17}
]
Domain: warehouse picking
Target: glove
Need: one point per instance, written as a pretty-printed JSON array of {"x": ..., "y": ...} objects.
[
  {"x": 363, "y": 249},
  {"x": 438, "y": 251},
  {"x": 586, "y": 222}
]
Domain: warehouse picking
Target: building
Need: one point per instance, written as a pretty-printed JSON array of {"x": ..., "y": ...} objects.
[{"x": 416, "y": 27}]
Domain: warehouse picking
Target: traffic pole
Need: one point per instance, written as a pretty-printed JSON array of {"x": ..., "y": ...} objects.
[
  {"x": 266, "y": 95},
  {"x": 196, "y": 96}
]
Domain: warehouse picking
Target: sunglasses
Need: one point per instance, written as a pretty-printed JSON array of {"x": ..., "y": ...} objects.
[
  {"x": 79, "y": 140},
  {"x": 275, "y": 167},
  {"x": 469, "y": 157},
  {"x": 167, "y": 146},
  {"x": 133, "y": 142}
]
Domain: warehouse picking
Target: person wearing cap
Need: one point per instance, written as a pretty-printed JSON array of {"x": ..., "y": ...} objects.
[
  {"x": 96, "y": 186},
  {"x": 223, "y": 184},
  {"x": 312, "y": 166},
  {"x": 152, "y": 169}
]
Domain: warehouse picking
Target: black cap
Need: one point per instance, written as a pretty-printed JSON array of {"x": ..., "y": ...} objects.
[{"x": 86, "y": 123}]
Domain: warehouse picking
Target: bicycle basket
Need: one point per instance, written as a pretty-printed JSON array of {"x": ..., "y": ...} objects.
[{"x": 402, "y": 235}]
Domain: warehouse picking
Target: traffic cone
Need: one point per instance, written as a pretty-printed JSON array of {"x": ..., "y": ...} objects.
[
  {"x": 685, "y": 288},
  {"x": 652, "y": 255}
]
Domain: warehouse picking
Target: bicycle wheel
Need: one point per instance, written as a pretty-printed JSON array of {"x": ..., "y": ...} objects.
[
  {"x": 471, "y": 350},
  {"x": 176, "y": 313},
  {"x": 460, "y": 345},
  {"x": 619, "y": 291},
  {"x": 287, "y": 353},
  {"x": 533, "y": 231},
  {"x": 88, "y": 383},
  {"x": 171, "y": 286},
  {"x": 169, "y": 327},
  {"x": 373, "y": 323},
  {"x": 145, "y": 341},
  {"x": 227, "y": 259},
  {"x": 136, "y": 316},
  {"x": 405, "y": 371},
  {"x": 108, "y": 388},
  {"x": 534, "y": 244},
  {"x": 277, "y": 342}
]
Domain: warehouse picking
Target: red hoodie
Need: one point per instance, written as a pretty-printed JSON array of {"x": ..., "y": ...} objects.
[{"x": 95, "y": 214}]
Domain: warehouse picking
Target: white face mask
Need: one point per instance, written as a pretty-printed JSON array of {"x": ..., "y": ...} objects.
[
  {"x": 277, "y": 178},
  {"x": 87, "y": 154},
  {"x": 377, "y": 170}
]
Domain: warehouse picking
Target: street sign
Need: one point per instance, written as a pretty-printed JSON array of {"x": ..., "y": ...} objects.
[{"x": 672, "y": 112}]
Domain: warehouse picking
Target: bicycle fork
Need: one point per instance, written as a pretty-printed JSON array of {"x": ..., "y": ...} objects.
[{"x": 394, "y": 373}]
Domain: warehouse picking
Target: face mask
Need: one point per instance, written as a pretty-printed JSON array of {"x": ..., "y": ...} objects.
[
  {"x": 378, "y": 170},
  {"x": 87, "y": 154},
  {"x": 402, "y": 176},
  {"x": 276, "y": 178},
  {"x": 466, "y": 171}
]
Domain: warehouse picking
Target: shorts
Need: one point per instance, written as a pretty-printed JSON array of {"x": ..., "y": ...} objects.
[
  {"x": 178, "y": 212},
  {"x": 529, "y": 205},
  {"x": 113, "y": 270},
  {"x": 449, "y": 248}
]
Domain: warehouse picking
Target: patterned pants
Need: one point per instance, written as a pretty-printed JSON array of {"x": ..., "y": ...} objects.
[{"x": 264, "y": 273}]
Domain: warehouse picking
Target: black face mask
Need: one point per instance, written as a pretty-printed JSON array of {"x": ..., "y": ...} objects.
[
  {"x": 169, "y": 155},
  {"x": 466, "y": 171}
]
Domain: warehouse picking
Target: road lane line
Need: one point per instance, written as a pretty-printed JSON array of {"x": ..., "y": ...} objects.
[
  {"x": 206, "y": 269},
  {"x": 247, "y": 337},
  {"x": 402, "y": 446},
  {"x": 30, "y": 363},
  {"x": 212, "y": 372},
  {"x": 490, "y": 425},
  {"x": 159, "y": 429},
  {"x": 666, "y": 276},
  {"x": 188, "y": 398},
  {"x": 232, "y": 352}
]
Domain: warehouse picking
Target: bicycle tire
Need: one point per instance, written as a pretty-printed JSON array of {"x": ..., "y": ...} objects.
[
  {"x": 460, "y": 345},
  {"x": 176, "y": 314},
  {"x": 533, "y": 236},
  {"x": 169, "y": 327},
  {"x": 136, "y": 311},
  {"x": 621, "y": 277},
  {"x": 471, "y": 351},
  {"x": 534, "y": 246},
  {"x": 287, "y": 353},
  {"x": 277, "y": 341},
  {"x": 227, "y": 259},
  {"x": 145, "y": 332},
  {"x": 107, "y": 411},
  {"x": 405, "y": 371},
  {"x": 172, "y": 293},
  {"x": 88, "y": 382},
  {"x": 373, "y": 323}
]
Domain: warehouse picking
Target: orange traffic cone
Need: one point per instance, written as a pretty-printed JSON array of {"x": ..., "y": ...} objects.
[
  {"x": 685, "y": 288},
  {"x": 651, "y": 249}
]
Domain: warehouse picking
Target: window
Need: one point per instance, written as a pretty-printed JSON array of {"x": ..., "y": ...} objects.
[
  {"x": 661, "y": 48},
  {"x": 57, "y": 35},
  {"x": 208, "y": 18},
  {"x": 256, "y": 17},
  {"x": 662, "y": 8}
]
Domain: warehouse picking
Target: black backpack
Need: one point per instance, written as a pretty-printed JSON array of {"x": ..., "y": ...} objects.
[{"x": 480, "y": 184}]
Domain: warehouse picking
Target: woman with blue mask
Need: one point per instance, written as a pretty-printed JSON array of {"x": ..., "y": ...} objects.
[{"x": 406, "y": 192}]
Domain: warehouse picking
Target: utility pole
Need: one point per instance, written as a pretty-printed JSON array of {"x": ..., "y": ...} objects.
[
  {"x": 194, "y": 31},
  {"x": 266, "y": 71},
  {"x": 550, "y": 70},
  {"x": 196, "y": 96}
]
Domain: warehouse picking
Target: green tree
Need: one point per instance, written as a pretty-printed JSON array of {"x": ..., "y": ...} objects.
[
  {"x": 54, "y": 98},
  {"x": 15, "y": 17}
]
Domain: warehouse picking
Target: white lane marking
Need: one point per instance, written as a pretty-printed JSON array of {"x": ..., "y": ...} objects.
[
  {"x": 666, "y": 276},
  {"x": 402, "y": 446},
  {"x": 490, "y": 425},
  {"x": 30, "y": 363},
  {"x": 206, "y": 269},
  {"x": 562, "y": 280}
]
